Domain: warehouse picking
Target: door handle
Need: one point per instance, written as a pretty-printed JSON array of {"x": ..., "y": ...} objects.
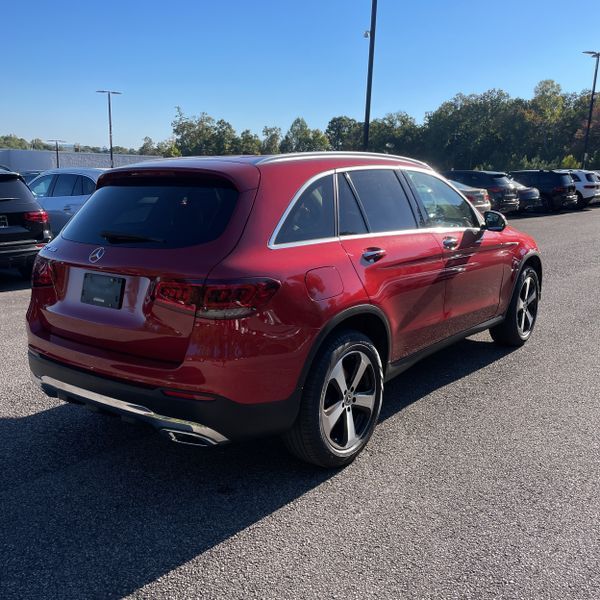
[
  {"x": 373, "y": 254},
  {"x": 67, "y": 208},
  {"x": 450, "y": 243}
]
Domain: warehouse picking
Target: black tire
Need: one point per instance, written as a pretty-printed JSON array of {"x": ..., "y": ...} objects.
[
  {"x": 324, "y": 403},
  {"x": 521, "y": 315},
  {"x": 581, "y": 201}
]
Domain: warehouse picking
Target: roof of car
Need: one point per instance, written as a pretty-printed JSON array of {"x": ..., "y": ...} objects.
[
  {"x": 91, "y": 171},
  {"x": 475, "y": 171}
]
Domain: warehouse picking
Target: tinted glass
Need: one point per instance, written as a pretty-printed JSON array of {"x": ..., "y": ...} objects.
[
  {"x": 88, "y": 185},
  {"x": 64, "y": 185},
  {"x": 445, "y": 207},
  {"x": 575, "y": 177},
  {"x": 77, "y": 190},
  {"x": 14, "y": 188},
  {"x": 175, "y": 215},
  {"x": 564, "y": 179},
  {"x": 312, "y": 216},
  {"x": 386, "y": 206},
  {"x": 42, "y": 185},
  {"x": 591, "y": 177},
  {"x": 500, "y": 179},
  {"x": 351, "y": 219}
]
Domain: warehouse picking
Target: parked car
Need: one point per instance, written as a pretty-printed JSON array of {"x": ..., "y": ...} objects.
[
  {"x": 503, "y": 194},
  {"x": 529, "y": 197},
  {"x": 556, "y": 189},
  {"x": 62, "y": 192},
  {"x": 479, "y": 198},
  {"x": 587, "y": 185},
  {"x": 24, "y": 227},
  {"x": 226, "y": 298}
]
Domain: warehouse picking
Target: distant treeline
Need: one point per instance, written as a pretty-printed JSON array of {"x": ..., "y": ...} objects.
[{"x": 489, "y": 130}]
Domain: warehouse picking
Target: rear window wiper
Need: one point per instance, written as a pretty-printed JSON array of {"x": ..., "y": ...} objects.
[{"x": 116, "y": 237}]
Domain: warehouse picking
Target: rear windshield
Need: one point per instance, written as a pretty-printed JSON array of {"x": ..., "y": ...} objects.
[
  {"x": 155, "y": 215},
  {"x": 12, "y": 187},
  {"x": 501, "y": 179}
]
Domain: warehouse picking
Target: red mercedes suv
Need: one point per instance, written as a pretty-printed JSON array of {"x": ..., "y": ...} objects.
[{"x": 225, "y": 298}]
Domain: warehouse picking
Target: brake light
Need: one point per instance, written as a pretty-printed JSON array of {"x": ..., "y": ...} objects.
[
  {"x": 37, "y": 216},
  {"x": 42, "y": 274},
  {"x": 486, "y": 196},
  {"x": 495, "y": 190},
  {"x": 559, "y": 190},
  {"x": 470, "y": 197},
  {"x": 218, "y": 300}
]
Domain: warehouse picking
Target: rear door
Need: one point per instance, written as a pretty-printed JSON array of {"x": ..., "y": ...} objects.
[
  {"x": 400, "y": 265},
  {"x": 60, "y": 204},
  {"x": 474, "y": 261}
]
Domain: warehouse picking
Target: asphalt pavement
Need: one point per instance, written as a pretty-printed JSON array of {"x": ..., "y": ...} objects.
[{"x": 482, "y": 479}]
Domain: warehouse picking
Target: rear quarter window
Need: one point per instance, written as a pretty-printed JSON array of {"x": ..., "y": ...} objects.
[
  {"x": 166, "y": 215},
  {"x": 14, "y": 188}
]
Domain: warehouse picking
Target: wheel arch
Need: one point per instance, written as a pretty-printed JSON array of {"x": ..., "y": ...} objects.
[
  {"x": 533, "y": 259},
  {"x": 365, "y": 318}
]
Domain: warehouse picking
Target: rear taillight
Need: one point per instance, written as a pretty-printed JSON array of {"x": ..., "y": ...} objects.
[
  {"x": 471, "y": 197},
  {"x": 486, "y": 196},
  {"x": 559, "y": 190},
  {"x": 37, "y": 216},
  {"x": 495, "y": 190},
  {"x": 218, "y": 300},
  {"x": 42, "y": 274},
  {"x": 590, "y": 187}
]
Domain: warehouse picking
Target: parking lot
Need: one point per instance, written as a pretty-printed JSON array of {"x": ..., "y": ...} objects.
[{"x": 482, "y": 479}]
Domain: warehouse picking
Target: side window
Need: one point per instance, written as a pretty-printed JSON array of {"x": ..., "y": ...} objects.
[
  {"x": 575, "y": 177},
  {"x": 88, "y": 185},
  {"x": 386, "y": 206},
  {"x": 351, "y": 219},
  {"x": 77, "y": 191},
  {"x": 445, "y": 208},
  {"x": 42, "y": 185},
  {"x": 312, "y": 216},
  {"x": 64, "y": 185}
]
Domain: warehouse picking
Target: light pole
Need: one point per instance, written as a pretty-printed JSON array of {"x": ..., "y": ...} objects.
[
  {"x": 371, "y": 35},
  {"x": 595, "y": 55},
  {"x": 56, "y": 142},
  {"x": 109, "y": 93}
]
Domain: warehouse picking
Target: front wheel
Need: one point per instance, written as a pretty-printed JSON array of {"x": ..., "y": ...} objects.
[
  {"x": 522, "y": 312},
  {"x": 340, "y": 404}
]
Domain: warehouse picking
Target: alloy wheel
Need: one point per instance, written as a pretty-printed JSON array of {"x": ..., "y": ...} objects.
[
  {"x": 527, "y": 306},
  {"x": 348, "y": 402}
]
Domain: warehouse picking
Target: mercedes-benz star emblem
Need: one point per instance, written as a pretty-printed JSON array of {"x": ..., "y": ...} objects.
[{"x": 96, "y": 255}]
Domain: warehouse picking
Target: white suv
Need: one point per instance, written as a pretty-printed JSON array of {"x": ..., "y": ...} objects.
[{"x": 587, "y": 185}]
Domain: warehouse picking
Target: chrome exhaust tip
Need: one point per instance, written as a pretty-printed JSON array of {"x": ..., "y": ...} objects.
[{"x": 188, "y": 437}]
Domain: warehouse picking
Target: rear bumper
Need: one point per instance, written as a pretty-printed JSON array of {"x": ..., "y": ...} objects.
[
  {"x": 18, "y": 256},
  {"x": 215, "y": 421},
  {"x": 530, "y": 203},
  {"x": 505, "y": 206}
]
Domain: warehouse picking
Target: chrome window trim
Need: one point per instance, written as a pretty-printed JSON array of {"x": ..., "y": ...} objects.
[
  {"x": 291, "y": 205},
  {"x": 331, "y": 172}
]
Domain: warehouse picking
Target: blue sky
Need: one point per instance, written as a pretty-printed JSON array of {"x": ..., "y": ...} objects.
[{"x": 266, "y": 62}]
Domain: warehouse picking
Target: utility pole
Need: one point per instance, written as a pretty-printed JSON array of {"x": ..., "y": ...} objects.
[
  {"x": 109, "y": 93},
  {"x": 595, "y": 55},
  {"x": 371, "y": 35},
  {"x": 56, "y": 142}
]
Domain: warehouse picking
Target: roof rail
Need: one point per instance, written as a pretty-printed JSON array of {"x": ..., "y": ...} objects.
[{"x": 333, "y": 154}]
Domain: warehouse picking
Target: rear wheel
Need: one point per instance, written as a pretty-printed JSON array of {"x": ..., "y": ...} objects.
[
  {"x": 581, "y": 201},
  {"x": 340, "y": 404},
  {"x": 521, "y": 316}
]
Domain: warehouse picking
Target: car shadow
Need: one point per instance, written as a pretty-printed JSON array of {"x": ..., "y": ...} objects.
[
  {"x": 11, "y": 280},
  {"x": 95, "y": 507}
]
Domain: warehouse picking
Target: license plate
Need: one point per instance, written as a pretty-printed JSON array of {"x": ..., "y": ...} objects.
[
  {"x": 102, "y": 290},
  {"x": 3, "y": 221}
]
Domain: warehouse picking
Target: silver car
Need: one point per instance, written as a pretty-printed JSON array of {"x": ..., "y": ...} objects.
[{"x": 62, "y": 192}]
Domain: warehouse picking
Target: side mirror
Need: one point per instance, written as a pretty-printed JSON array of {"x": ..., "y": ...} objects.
[{"x": 494, "y": 221}]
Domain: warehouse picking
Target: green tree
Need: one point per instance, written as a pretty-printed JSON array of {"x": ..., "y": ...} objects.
[
  {"x": 13, "y": 142},
  {"x": 344, "y": 133},
  {"x": 148, "y": 147},
  {"x": 301, "y": 138},
  {"x": 248, "y": 143},
  {"x": 271, "y": 140}
]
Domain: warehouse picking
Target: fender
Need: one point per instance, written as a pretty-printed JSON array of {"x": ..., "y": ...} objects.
[
  {"x": 360, "y": 309},
  {"x": 524, "y": 259}
]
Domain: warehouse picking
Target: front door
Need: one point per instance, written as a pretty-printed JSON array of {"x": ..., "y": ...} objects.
[{"x": 475, "y": 261}]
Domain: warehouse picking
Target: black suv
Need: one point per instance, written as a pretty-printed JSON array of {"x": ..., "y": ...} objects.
[
  {"x": 503, "y": 193},
  {"x": 556, "y": 189},
  {"x": 24, "y": 226}
]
